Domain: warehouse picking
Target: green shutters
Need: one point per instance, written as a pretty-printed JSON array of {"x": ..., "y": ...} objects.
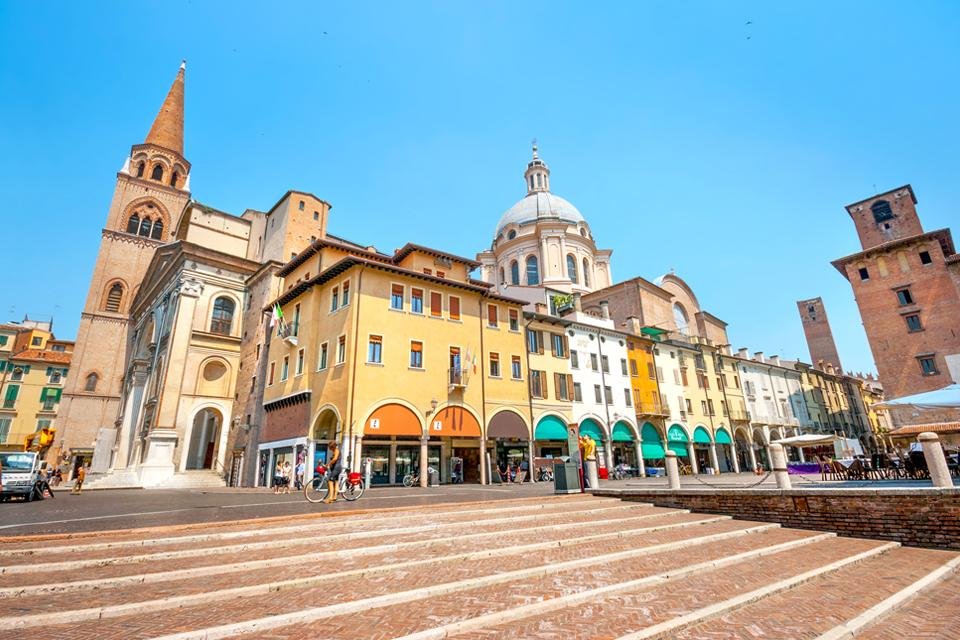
[{"x": 11, "y": 397}]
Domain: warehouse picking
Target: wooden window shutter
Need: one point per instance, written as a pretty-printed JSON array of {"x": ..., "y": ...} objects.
[
  {"x": 569, "y": 386},
  {"x": 556, "y": 385},
  {"x": 540, "y": 342},
  {"x": 566, "y": 345}
]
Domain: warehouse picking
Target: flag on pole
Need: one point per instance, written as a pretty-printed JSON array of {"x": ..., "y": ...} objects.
[{"x": 277, "y": 316}]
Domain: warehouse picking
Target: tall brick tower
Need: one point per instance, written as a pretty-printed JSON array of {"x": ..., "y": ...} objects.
[
  {"x": 816, "y": 328},
  {"x": 152, "y": 189},
  {"x": 907, "y": 284}
]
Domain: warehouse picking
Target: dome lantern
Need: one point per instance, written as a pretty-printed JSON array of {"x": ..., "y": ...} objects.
[{"x": 537, "y": 175}]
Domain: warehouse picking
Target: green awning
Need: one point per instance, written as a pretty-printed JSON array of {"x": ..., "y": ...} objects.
[
  {"x": 700, "y": 436},
  {"x": 723, "y": 437},
  {"x": 592, "y": 429},
  {"x": 551, "y": 428},
  {"x": 677, "y": 434},
  {"x": 679, "y": 448},
  {"x": 652, "y": 450},
  {"x": 652, "y": 331},
  {"x": 622, "y": 432}
]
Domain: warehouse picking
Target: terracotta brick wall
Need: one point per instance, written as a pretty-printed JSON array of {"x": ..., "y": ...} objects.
[
  {"x": 920, "y": 518},
  {"x": 286, "y": 422}
]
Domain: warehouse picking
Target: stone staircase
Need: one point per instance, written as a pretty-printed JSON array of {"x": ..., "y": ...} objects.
[
  {"x": 200, "y": 479},
  {"x": 557, "y": 567}
]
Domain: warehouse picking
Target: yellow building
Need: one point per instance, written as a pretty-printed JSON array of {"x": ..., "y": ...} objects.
[
  {"x": 403, "y": 359},
  {"x": 33, "y": 368}
]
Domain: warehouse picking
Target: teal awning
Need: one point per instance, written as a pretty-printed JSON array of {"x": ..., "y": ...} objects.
[
  {"x": 723, "y": 437},
  {"x": 652, "y": 447},
  {"x": 551, "y": 428},
  {"x": 652, "y": 450},
  {"x": 622, "y": 432},
  {"x": 652, "y": 331},
  {"x": 679, "y": 448},
  {"x": 677, "y": 434},
  {"x": 701, "y": 436},
  {"x": 592, "y": 429}
]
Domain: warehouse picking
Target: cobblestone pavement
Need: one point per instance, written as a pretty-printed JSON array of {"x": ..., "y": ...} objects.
[{"x": 523, "y": 567}]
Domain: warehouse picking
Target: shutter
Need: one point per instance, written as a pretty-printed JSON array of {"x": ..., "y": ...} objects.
[
  {"x": 12, "y": 392},
  {"x": 569, "y": 386},
  {"x": 566, "y": 345},
  {"x": 556, "y": 385},
  {"x": 43, "y": 394},
  {"x": 49, "y": 371},
  {"x": 540, "y": 342}
]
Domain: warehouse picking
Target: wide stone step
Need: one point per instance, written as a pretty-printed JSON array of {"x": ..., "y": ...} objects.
[
  {"x": 466, "y": 574},
  {"x": 934, "y": 612}
]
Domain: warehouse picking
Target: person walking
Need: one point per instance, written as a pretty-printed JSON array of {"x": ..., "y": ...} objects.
[
  {"x": 78, "y": 479},
  {"x": 301, "y": 470},
  {"x": 287, "y": 477},
  {"x": 278, "y": 478},
  {"x": 333, "y": 472}
]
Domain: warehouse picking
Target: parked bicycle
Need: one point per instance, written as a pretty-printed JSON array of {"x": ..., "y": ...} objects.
[
  {"x": 349, "y": 485},
  {"x": 412, "y": 479},
  {"x": 544, "y": 474},
  {"x": 620, "y": 472}
]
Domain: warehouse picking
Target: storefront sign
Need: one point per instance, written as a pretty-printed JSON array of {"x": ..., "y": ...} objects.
[{"x": 374, "y": 423}]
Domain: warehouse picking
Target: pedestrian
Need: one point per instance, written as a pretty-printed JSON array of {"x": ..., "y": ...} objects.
[
  {"x": 278, "y": 477},
  {"x": 78, "y": 480},
  {"x": 333, "y": 472},
  {"x": 301, "y": 469},
  {"x": 287, "y": 477}
]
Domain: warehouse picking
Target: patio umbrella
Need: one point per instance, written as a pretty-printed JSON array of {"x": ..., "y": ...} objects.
[{"x": 949, "y": 396}]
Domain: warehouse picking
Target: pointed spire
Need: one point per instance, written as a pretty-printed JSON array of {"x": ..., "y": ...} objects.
[{"x": 167, "y": 129}]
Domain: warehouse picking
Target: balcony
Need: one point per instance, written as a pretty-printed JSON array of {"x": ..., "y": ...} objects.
[
  {"x": 651, "y": 409},
  {"x": 457, "y": 377},
  {"x": 738, "y": 414}
]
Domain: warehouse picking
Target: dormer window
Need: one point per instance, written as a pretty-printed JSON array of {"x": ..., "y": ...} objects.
[{"x": 881, "y": 211}]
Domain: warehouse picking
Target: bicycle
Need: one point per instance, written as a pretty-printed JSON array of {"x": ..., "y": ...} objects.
[
  {"x": 620, "y": 472},
  {"x": 412, "y": 479},
  {"x": 349, "y": 485}
]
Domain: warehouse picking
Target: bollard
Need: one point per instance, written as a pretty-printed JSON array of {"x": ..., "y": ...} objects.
[
  {"x": 936, "y": 462},
  {"x": 673, "y": 472},
  {"x": 591, "y": 473},
  {"x": 367, "y": 472},
  {"x": 778, "y": 460}
]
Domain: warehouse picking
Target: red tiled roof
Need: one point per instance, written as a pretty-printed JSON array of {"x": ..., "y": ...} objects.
[{"x": 39, "y": 355}]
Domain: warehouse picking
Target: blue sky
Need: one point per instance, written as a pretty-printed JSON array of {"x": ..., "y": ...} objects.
[{"x": 690, "y": 139}]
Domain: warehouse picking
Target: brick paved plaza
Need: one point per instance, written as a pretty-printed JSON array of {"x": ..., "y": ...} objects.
[{"x": 525, "y": 567}]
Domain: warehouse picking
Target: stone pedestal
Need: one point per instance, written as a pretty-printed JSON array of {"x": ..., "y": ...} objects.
[
  {"x": 103, "y": 450},
  {"x": 778, "y": 460},
  {"x": 673, "y": 471},
  {"x": 936, "y": 463},
  {"x": 590, "y": 469},
  {"x": 158, "y": 465}
]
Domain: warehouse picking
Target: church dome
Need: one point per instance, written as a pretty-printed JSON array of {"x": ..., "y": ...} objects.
[{"x": 540, "y": 205}]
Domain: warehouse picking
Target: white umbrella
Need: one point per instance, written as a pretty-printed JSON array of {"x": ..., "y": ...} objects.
[{"x": 949, "y": 396}]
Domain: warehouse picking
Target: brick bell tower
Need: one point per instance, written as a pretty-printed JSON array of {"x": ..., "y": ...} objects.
[{"x": 152, "y": 189}]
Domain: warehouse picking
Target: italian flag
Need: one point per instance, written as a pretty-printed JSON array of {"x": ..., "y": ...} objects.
[{"x": 277, "y": 317}]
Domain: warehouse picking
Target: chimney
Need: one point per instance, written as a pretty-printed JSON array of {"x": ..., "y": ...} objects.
[
  {"x": 758, "y": 356},
  {"x": 605, "y": 309},
  {"x": 829, "y": 368},
  {"x": 633, "y": 325},
  {"x": 774, "y": 360},
  {"x": 541, "y": 308},
  {"x": 743, "y": 353},
  {"x": 577, "y": 303}
]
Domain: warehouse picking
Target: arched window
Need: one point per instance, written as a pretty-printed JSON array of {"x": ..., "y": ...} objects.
[
  {"x": 586, "y": 273},
  {"x": 680, "y": 318},
  {"x": 91, "y": 383},
  {"x": 157, "y": 173},
  {"x": 533, "y": 270},
  {"x": 174, "y": 178},
  {"x": 140, "y": 167},
  {"x": 145, "y": 228},
  {"x": 133, "y": 225},
  {"x": 222, "y": 320},
  {"x": 157, "y": 230},
  {"x": 514, "y": 272},
  {"x": 881, "y": 211},
  {"x": 114, "y": 298},
  {"x": 572, "y": 267}
]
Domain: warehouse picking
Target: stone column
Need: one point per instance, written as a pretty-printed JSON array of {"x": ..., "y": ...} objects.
[
  {"x": 357, "y": 455},
  {"x": 936, "y": 462},
  {"x": 638, "y": 445},
  {"x": 713, "y": 457},
  {"x": 692, "y": 454},
  {"x": 423, "y": 461},
  {"x": 800, "y": 452},
  {"x": 483, "y": 461},
  {"x": 753, "y": 457},
  {"x": 673, "y": 471},
  {"x": 736, "y": 458},
  {"x": 533, "y": 470},
  {"x": 609, "y": 454},
  {"x": 778, "y": 460}
]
